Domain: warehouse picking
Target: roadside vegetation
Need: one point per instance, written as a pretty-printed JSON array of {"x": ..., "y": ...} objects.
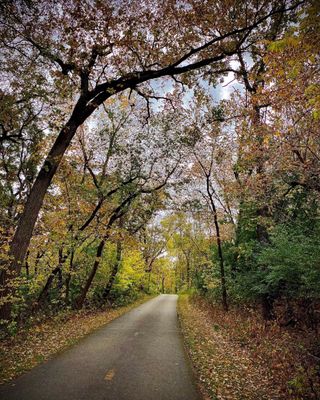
[{"x": 238, "y": 356}]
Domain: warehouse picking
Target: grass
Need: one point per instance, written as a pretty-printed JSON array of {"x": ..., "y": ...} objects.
[
  {"x": 237, "y": 356},
  {"x": 38, "y": 343}
]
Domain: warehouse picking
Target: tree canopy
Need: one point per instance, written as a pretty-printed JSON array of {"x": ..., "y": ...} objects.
[{"x": 124, "y": 170}]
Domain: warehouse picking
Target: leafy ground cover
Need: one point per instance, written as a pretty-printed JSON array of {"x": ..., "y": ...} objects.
[
  {"x": 35, "y": 344},
  {"x": 237, "y": 356}
]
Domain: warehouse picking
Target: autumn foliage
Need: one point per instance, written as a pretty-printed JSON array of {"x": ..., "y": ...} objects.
[{"x": 166, "y": 146}]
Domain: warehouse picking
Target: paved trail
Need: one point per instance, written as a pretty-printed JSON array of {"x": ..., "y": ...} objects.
[{"x": 139, "y": 356}]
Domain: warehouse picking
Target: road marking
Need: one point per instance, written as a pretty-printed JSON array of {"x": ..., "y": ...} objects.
[{"x": 109, "y": 375}]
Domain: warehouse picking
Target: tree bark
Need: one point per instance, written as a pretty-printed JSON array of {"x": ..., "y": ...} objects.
[{"x": 27, "y": 265}]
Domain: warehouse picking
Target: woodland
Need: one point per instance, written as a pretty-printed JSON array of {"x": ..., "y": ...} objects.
[{"x": 163, "y": 147}]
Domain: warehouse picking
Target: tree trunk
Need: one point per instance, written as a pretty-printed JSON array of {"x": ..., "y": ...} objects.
[
  {"x": 45, "y": 291},
  {"x": 114, "y": 271},
  {"x": 43, "y": 296},
  {"x": 162, "y": 283},
  {"x": 222, "y": 271},
  {"x": 36, "y": 263},
  {"x": 267, "y": 307},
  {"x": 27, "y": 265},
  {"x": 68, "y": 278},
  {"x": 187, "y": 256},
  {"x": 219, "y": 245},
  {"x": 149, "y": 280},
  {"x": 22, "y": 236},
  {"x": 81, "y": 298}
]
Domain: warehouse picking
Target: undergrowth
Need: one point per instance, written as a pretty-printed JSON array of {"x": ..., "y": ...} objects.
[{"x": 237, "y": 356}]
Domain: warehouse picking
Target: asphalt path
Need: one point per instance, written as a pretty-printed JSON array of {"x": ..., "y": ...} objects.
[{"x": 139, "y": 356}]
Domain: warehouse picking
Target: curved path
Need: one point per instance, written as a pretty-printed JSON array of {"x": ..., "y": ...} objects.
[{"x": 138, "y": 356}]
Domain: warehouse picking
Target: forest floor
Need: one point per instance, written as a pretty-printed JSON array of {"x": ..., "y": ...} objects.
[
  {"x": 237, "y": 356},
  {"x": 37, "y": 343}
]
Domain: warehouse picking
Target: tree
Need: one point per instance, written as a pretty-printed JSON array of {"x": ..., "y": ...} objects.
[
  {"x": 111, "y": 177},
  {"x": 86, "y": 66},
  {"x": 277, "y": 127}
]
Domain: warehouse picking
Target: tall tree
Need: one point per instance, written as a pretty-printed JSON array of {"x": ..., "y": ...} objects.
[{"x": 95, "y": 64}]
